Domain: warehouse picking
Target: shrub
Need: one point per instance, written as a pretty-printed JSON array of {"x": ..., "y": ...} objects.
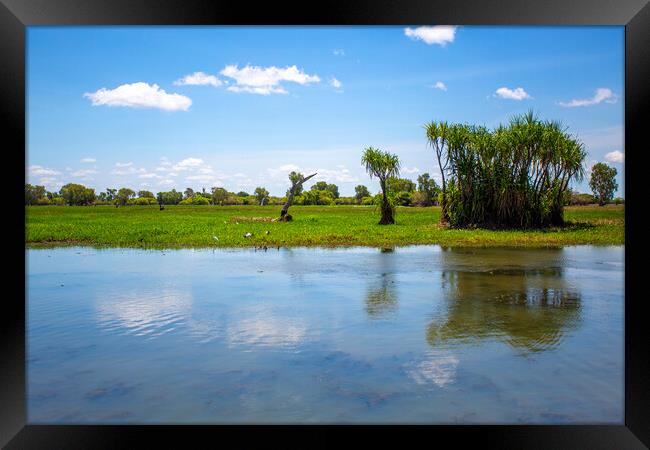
[
  {"x": 582, "y": 199},
  {"x": 367, "y": 201},
  {"x": 196, "y": 200},
  {"x": 402, "y": 198},
  {"x": 345, "y": 201},
  {"x": 420, "y": 199},
  {"x": 233, "y": 200},
  {"x": 140, "y": 201}
]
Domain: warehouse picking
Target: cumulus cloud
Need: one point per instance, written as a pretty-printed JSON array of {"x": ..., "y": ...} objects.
[
  {"x": 440, "y": 85},
  {"x": 126, "y": 169},
  {"x": 409, "y": 170},
  {"x": 88, "y": 160},
  {"x": 289, "y": 168},
  {"x": 199, "y": 79},
  {"x": 265, "y": 80},
  {"x": 187, "y": 164},
  {"x": 512, "y": 94},
  {"x": 601, "y": 95},
  {"x": 201, "y": 178},
  {"x": 149, "y": 175},
  {"x": 340, "y": 174},
  {"x": 83, "y": 172},
  {"x": 139, "y": 95},
  {"x": 336, "y": 84},
  {"x": 338, "y": 52},
  {"x": 615, "y": 157},
  {"x": 441, "y": 34},
  {"x": 36, "y": 170}
]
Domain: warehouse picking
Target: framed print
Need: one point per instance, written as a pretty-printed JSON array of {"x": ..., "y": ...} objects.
[{"x": 241, "y": 219}]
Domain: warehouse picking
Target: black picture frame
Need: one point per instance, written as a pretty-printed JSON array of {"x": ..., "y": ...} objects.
[{"x": 16, "y": 15}]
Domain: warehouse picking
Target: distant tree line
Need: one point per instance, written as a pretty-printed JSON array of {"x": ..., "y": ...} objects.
[{"x": 320, "y": 193}]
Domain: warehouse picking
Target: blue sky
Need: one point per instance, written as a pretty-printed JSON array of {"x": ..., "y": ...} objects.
[{"x": 158, "y": 108}]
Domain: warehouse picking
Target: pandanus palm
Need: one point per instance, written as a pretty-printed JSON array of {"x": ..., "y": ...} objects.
[
  {"x": 382, "y": 165},
  {"x": 514, "y": 176},
  {"x": 437, "y": 137}
]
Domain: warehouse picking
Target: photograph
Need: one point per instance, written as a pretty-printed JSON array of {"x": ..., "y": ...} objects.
[{"x": 386, "y": 224}]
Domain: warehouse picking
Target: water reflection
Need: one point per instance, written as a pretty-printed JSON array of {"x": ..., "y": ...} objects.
[
  {"x": 381, "y": 296},
  {"x": 144, "y": 313},
  {"x": 151, "y": 314},
  {"x": 526, "y": 302},
  {"x": 266, "y": 329},
  {"x": 435, "y": 368}
]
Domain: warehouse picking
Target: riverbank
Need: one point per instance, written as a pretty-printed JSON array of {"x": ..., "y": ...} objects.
[{"x": 326, "y": 226}]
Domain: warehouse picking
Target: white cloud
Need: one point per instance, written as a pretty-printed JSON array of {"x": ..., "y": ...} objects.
[
  {"x": 336, "y": 84},
  {"x": 200, "y": 178},
  {"x": 265, "y": 80},
  {"x": 440, "y": 85},
  {"x": 125, "y": 169},
  {"x": 338, "y": 52},
  {"x": 199, "y": 79},
  {"x": 149, "y": 175},
  {"x": 139, "y": 95},
  {"x": 615, "y": 157},
  {"x": 409, "y": 170},
  {"x": 289, "y": 168},
  {"x": 187, "y": 164},
  {"x": 512, "y": 94},
  {"x": 601, "y": 95},
  {"x": 441, "y": 34},
  {"x": 166, "y": 182},
  {"x": 88, "y": 160},
  {"x": 340, "y": 175},
  {"x": 51, "y": 183},
  {"x": 83, "y": 172},
  {"x": 41, "y": 171}
]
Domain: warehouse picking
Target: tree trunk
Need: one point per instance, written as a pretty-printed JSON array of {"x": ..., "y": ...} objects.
[
  {"x": 386, "y": 211},
  {"x": 284, "y": 216}
]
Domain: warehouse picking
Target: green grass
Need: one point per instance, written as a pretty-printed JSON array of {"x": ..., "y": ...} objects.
[{"x": 195, "y": 226}]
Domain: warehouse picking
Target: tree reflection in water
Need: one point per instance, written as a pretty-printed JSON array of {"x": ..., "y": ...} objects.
[
  {"x": 523, "y": 300},
  {"x": 381, "y": 298}
]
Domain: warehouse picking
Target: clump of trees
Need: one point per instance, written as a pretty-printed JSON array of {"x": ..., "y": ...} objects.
[
  {"x": 34, "y": 194},
  {"x": 77, "y": 194},
  {"x": 428, "y": 191},
  {"x": 603, "y": 183},
  {"x": 514, "y": 176},
  {"x": 361, "y": 193},
  {"x": 261, "y": 195}
]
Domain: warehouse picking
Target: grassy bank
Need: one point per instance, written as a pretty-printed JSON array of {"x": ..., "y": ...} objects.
[{"x": 197, "y": 226}]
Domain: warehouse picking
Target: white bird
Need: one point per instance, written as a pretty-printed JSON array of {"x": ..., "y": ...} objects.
[
  {"x": 215, "y": 237},
  {"x": 247, "y": 235}
]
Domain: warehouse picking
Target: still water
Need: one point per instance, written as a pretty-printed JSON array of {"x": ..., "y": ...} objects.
[{"x": 414, "y": 335}]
